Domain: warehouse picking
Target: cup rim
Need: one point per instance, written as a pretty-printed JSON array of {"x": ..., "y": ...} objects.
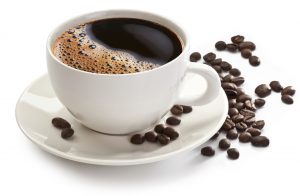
[{"x": 183, "y": 38}]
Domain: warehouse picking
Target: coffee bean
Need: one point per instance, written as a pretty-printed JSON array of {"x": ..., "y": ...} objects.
[
  {"x": 230, "y": 93},
  {"x": 232, "y": 112},
  {"x": 247, "y": 45},
  {"x": 216, "y": 61},
  {"x": 60, "y": 123},
  {"x": 233, "y": 153},
  {"x": 163, "y": 139},
  {"x": 232, "y": 47},
  {"x": 228, "y": 86},
  {"x": 237, "y": 118},
  {"x": 235, "y": 72},
  {"x": 239, "y": 106},
  {"x": 250, "y": 106},
  {"x": 262, "y": 90},
  {"x": 226, "y": 66},
  {"x": 231, "y": 102},
  {"x": 254, "y": 60},
  {"x": 249, "y": 120},
  {"x": 288, "y": 91},
  {"x": 227, "y": 78},
  {"x": 177, "y": 110},
  {"x": 227, "y": 125},
  {"x": 159, "y": 128},
  {"x": 186, "y": 109},
  {"x": 173, "y": 121},
  {"x": 215, "y": 136},
  {"x": 238, "y": 80},
  {"x": 240, "y": 91},
  {"x": 237, "y": 39},
  {"x": 220, "y": 45},
  {"x": 259, "y": 102},
  {"x": 195, "y": 56},
  {"x": 260, "y": 141},
  {"x": 246, "y": 112},
  {"x": 243, "y": 98},
  {"x": 276, "y": 86},
  {"x": 246, "y": 53},
  {"x": 241, "y": 127},
  {"x": 232, "y": 134},
  {"x": 287, "y": 99},
  {"x": 209, "y": 57},
  {"x": 137, "y": 139},
  {"x": 207, "y": 151},
  {"x": 259, "y": 124},
  {"x": 171, "y": 133},
  {"x": 245, "y": 137},
  {"x": 67, "y": 132},
  {"x": 253, "y": 131},
  {"x": 224, "y": 144},
  {"x": 217, "y": 68},
  {"x": 151, "y": 136}
]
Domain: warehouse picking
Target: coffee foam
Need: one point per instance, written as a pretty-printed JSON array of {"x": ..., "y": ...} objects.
[{"x": 76, "y": 49}]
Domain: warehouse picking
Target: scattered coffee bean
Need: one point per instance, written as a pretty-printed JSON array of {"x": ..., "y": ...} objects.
[
  {"x": 230, "y": 93},
  {"x": 246, "y": 53},
  {"x": 216, "y": 61},
  {"x": 288, "y": 91},
  {"x": 249, "y": 105},
  {"x": 232, "y": 134},
  {"x": 260, "y": 141},
  {"x": 151, "y": 136},
  {"x": 229, "y": 86},
  {"x": 227, "y": 78},
  {"x": 249, "y": 120},
  {"x": 262, "y": 90},
  {"x": 233, "y": 153},
  {"x": 67, "y": 132},
  {"x": 232, "y": 112},
  {"x": 237, "y": 118},
  {"x": 247, "y": 45},
  {"x": 235, "y": 72},
  {"x": 209, "y": 57},
  {"x": 225, "y": 66},
  {"x": 60, "y": 123},
  {"x": 177, "y": 110},
  {"x": 240, "y": 91},
  {"x": 186, "y": 109},
  {"x": 246, "y": 112},
  {"x": 245, "y": 137},
  {"x": 239, "y": 106},
  {"x": 159, "y": 128},
  {"x": 171, "y": 133},
  {"x": 232, "y": 47},
  {"x": 137, "y": 139},
  {"x": 238, "y": 80},
  {"x": 287, "y": 99},
  {"x": 208, "y": 151},
  {"x": 227, "y": 125},
  {"x": 253, "y": 131},
  {"x": 220, "y": 45},
  {"x": 254, "y": 60},
  {"x": 195, "y": 56},
  {"x": 163, "y": 139},
  {"x": 241, "y": 127},
  {"x": 215, "y": 136},
  {"x": 237, "y": 39},
  {"x": 243, "y": 98},
  {"x": 259, "y": 102},
  {"x": 217, "y": 68},
  {"x": 173, "y": 121},
  {"x": 224, "y": 144},
  {"x": 276, "y": 86},
  {"x": 231, "y": 102},
  {"x": 259, "y": 124}
]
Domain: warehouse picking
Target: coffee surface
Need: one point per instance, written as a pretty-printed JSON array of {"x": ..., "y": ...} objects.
[{"x": 117, "y": 46}]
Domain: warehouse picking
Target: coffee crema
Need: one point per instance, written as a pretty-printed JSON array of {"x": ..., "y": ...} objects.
[{"x": 117, "y": 46}]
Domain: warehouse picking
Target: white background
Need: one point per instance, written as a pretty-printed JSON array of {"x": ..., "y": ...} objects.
[{"x": 272, "y": 25}]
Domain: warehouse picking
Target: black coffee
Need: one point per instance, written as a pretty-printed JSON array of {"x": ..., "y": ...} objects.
[{"x": 117, "y": 45}]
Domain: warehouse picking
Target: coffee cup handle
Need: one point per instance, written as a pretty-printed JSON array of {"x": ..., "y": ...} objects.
[{"x": 212, "y": 88}]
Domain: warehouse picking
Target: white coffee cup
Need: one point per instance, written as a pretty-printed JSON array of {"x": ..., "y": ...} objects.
[{"x": 125, "y": 103}]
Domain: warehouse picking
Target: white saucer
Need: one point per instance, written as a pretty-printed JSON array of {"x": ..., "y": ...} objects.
[{"x": 38, "y": 105}]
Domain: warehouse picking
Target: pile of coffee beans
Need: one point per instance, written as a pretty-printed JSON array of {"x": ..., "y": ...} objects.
[
  {"x": 161, "y": 133},
  {"x": 64, "y": 126},
  {"x": 238, "y": 43}
]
